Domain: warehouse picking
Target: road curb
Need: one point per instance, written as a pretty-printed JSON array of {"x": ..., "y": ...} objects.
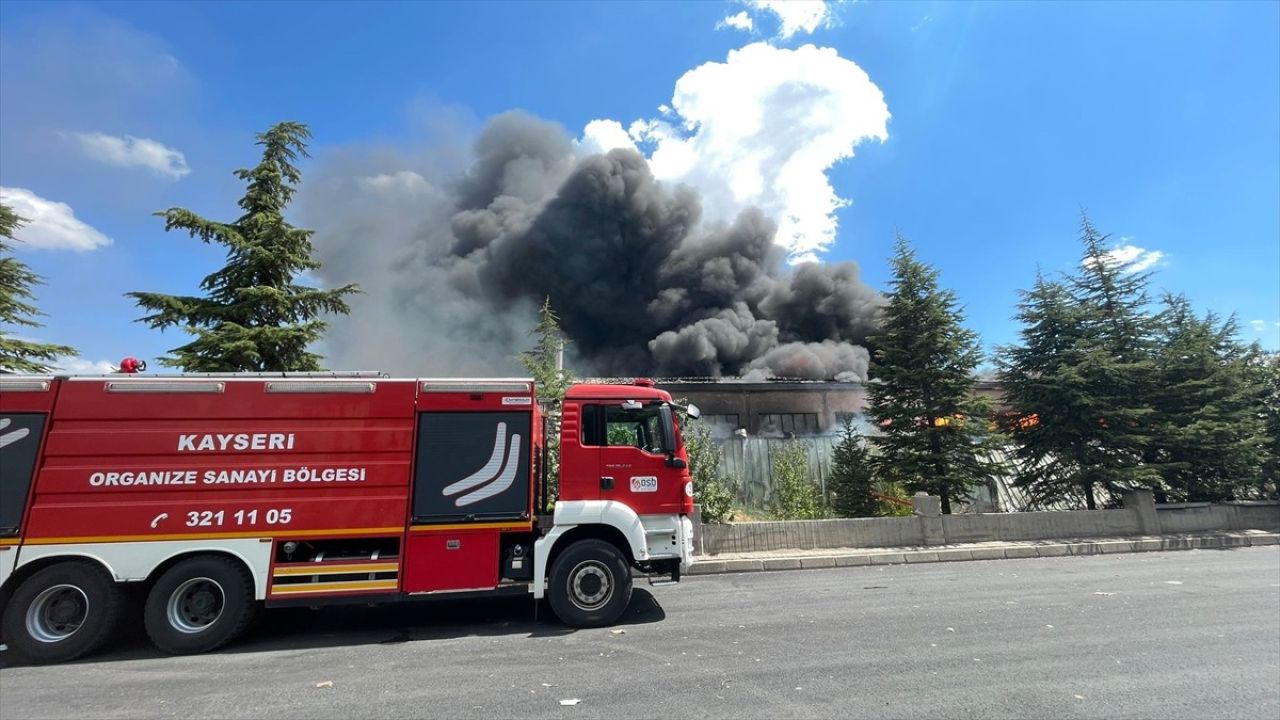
[{"x": 805, "y": 560}]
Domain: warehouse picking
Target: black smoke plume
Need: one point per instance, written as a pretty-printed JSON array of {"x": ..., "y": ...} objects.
[{"x": 455, "y": 260}]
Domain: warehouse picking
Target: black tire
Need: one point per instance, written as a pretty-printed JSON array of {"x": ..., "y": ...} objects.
[
  {"x": 200, "y": 604},
  {"x": 62, "y": 612},
  {"x": 590, "y": 584}
]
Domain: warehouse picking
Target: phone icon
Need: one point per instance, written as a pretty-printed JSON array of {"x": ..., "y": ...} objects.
[{"x": 158, "y": 518}]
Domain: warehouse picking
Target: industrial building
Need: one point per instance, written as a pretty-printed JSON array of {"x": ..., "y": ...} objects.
[
  {"x": 782, "y": 408},
  {"x": 750, "y": 420}
]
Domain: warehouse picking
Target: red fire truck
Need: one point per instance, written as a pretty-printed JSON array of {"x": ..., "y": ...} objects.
[{"x": 220, "y": 495}]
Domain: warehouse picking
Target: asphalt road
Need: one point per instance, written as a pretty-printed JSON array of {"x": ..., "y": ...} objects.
[{"x": 1193, "y": 634}]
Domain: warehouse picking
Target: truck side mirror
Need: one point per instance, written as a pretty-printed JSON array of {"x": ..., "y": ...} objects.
[{"x": 668, "y": 428}]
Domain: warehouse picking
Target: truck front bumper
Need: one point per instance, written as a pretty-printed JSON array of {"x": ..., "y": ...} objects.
[{"x": 668, "y": 537}]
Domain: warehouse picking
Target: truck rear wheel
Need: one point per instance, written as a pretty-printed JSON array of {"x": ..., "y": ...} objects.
[
  {"x": 590, "y": 584},
  {"x": 200, "y": 604},
  {"x": 62, "y": 612}
]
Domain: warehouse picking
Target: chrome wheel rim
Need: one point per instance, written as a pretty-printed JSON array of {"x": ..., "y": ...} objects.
[
  {"x": 196, "y": 604},
  {"x": 590, "y": 585},
  {"x": 57, "y": 613}
]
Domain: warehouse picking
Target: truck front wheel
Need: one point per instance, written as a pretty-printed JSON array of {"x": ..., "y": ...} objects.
[
  {"x": 62, "y": 612},
  {"x": 200, "y": 604},
  {"x": 590, "y": 584}
]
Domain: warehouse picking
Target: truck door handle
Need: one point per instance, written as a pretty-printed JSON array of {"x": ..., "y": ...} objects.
[{"x": 606, "y": 483}]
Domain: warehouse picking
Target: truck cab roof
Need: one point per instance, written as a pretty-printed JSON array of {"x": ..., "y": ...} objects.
[{"x": 639, "y": 390}]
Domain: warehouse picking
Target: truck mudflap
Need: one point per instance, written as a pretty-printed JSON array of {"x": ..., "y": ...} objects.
[{"x": 666, "y": 574}]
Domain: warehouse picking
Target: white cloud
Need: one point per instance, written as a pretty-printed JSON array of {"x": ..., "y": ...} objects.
[
  {"x": 1141, "y": 258},
  {"x": 762, "y": 129},
  {"x": 601, "y": 136},
  {"x": 80, "y": 366},
  {"x": 741, "y": 21},
  {"x": 50, "y": 225},
  {"x": 1259, "y": 325},
  {"x": 796, "y": 16},
  {"x": 404, "y": 181},
  {"x": 129, "y": 151}
]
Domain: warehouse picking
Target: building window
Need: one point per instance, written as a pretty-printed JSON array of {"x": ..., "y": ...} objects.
[
  {"x": 787, "y": 424},
  {"x": 722, "y": 426},
  {"x": 862, "y": 423}
]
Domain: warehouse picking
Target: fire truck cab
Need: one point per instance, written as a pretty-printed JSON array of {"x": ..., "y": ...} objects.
[{"x": 219, "y": 495}]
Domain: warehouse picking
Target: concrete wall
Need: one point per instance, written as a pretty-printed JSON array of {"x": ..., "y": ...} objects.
[
  {"x": 1200, "y": 517},
  {"x": 1140, "y": 516},
  {"x": 1039, "y": 525},
  {"x": 811, "y": 534}
]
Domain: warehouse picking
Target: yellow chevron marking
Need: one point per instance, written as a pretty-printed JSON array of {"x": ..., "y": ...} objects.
[
  {"x": 336, "y": 569},
  {"x": 333, "y": 587}
]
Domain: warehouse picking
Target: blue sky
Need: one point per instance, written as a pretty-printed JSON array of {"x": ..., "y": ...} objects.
[{"x": 1003, "y": 121}]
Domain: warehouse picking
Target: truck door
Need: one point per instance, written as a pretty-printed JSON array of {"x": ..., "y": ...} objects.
[
  {"x": 633, "y": 458},
  {"x": 20, "y": 435},
  {"x": 25, "y": 405},
  {"x": 471, "y": 483}
]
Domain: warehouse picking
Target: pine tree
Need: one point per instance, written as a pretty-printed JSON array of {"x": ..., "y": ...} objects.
[
  {"x": 1080, "y": 385},
  {"x": 1116, "y": 364},
  {"x": 934, "y": 435},
  {"x": 851, "y": 482},
  {"x": 16, "y": 282},
  {"x": 254, "y": 317},
  {"x": 1266, "y": 375},
  {"x": 1049, "y": 420},
  {"x": 1208, "y": 431},
  {"x": 544, "y": 363}
]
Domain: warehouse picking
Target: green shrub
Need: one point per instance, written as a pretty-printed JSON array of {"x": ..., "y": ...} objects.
[
  {"x": 714, "y": 492},
  {"x": 885, "y": 508},
  {"x": 794, "y": 496}
]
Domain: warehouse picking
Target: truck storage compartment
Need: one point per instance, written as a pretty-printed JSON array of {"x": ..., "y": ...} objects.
[
  {"x": 448, "y": 560},
  {"x": 347, "y": 566},
  {"x": 472, "y": 467}
]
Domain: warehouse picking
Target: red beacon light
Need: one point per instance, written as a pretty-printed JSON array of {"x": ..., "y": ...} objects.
[
  {"x": 643, "y": 382},
  {"x": 132, "y": 365}
]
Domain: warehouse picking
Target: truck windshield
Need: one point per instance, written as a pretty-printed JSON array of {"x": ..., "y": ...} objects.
[{"x": 638, "y": 428}]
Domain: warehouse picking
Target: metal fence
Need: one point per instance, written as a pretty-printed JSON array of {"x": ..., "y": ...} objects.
[{"x": 749, "y": 461}]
